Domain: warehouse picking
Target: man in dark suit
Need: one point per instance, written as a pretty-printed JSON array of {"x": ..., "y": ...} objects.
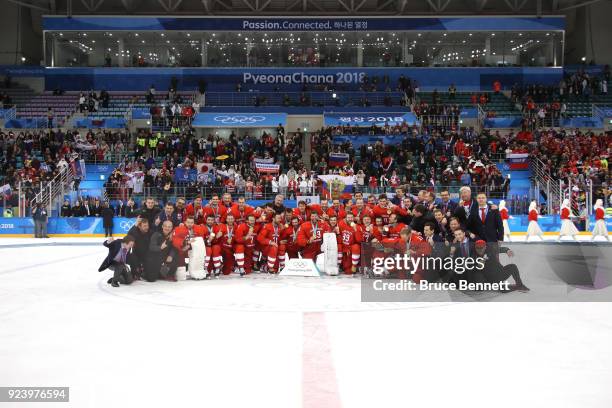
[
  {"x": 398, "y": 197},
  {"x": 435, "y": 240},
  {"x": 486, "y": 223},
  {"x": 116, "y": 260},
  {"x": 465, "y": 206},
  {"x": 438, "y": 250},
  {"x": 445, "y": 204},
  {"x": 441, "y": 223},
  {"x": 463, "y": 247},
  {"x": 167, "y": 215}
]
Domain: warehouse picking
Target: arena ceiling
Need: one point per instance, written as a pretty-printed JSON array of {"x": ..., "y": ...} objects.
[{"x": 303, "y": 7}]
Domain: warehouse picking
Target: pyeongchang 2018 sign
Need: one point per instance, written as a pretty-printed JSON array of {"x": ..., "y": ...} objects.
[{"x": 304, "y": 78}]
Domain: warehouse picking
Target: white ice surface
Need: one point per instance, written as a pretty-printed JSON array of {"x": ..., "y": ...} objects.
[{"x": 238, "y": 342}]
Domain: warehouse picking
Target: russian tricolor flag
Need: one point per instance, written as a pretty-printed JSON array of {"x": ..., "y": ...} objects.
[
  {"x": 335, "y": 186},
  {"x": 338, "y": 159},
  {"x": 518, "y": 161}
]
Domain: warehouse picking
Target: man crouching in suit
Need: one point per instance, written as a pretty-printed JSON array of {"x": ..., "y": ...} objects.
[
  {"x": 495, "y": 272},
  {"x": 116, "y": 260}
]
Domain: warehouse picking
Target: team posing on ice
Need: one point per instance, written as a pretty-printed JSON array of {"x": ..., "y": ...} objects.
[{"x": 234, "y": 237}]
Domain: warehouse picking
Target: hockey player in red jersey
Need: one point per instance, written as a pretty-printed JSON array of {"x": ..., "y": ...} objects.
[
  {"x": 337, "y": 209},
  {"x": 226, "y": 201},
  {"x": 383, "y": 209},
  {"x": 213, "y": 250},
  {"x": 393, "y": 228},
  {"x": 350, "y": 240},
  {"x": 269, "y": 239},
  {"x": 371, "y": 238},
  {"x": 409, "y": 243},
  {"x": 215, "y": 209},
  {"x": 302, "y": 212},
  {"x": 360, "y": 210},
  {"x": 241, "y": 211},
  {"x": 265, "y": 215},
  {"x": 320, "y": 209},
  {"x": 183, "y": 235},
  {"x": 196, "y": 210},
  {"x": 368, "y": 231},
  {"x": 310, "y": 236},
  {"x": 371, "y": 202},
  {"x": 289, "y": 238},
  {"x": 225, "y": 238},
  {"x": 335, "y": 228},
  {"x": 246, "y": 242}
]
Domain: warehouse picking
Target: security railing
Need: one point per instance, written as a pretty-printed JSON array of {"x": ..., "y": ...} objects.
[
  {"x": 92, "y": 157},
  {"x": 11, "y": 113},
  {"x": 49, "y": 192},
  {"x": 123, "y": 193},
  {"x": 447, "y": 121},
  {"x": 544, "y": 184},
  {"x": 482, "y": 115},
  {"x": 600, "y": 111}
]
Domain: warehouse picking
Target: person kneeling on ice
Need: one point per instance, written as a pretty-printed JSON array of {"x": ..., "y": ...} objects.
[
  {"x": 116, "y": 260},
  {"x": 162, "y": 260},
  {"x": 495, "y": 272}
]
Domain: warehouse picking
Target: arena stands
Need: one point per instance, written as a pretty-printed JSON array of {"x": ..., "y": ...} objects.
[{"x": 494, "y": 104}]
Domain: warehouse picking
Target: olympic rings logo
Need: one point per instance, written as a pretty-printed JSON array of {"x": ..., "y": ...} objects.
[
  {"x": 126, "y": 225},
  {"x": 239, "y": 119}
]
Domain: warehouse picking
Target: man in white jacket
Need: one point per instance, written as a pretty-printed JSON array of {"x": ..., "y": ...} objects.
[
  {"x": 274, "y": 185},
  {"x": 283, "y": 183}
]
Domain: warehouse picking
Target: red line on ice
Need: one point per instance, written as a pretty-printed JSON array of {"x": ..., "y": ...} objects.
[{"x": 319, "y": 384}]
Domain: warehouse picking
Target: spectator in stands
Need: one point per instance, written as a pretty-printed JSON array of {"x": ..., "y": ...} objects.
[
  {"x": 150, "y": 95},
  {"x": 130, "y": 210},
  {"x": 66, "y": 210},
  {"x": 49, "y": 118},
  {"x": 452, "y": 91},
  {"x": 78, "y": 210}
]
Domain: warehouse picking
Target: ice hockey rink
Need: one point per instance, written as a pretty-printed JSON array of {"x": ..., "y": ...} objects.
[{"x": 267, "y": 341}]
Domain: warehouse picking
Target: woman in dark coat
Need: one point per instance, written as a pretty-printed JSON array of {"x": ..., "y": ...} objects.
[
  {"x": 162, "y": 258},
  {"x": 107, "y": 214}
]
